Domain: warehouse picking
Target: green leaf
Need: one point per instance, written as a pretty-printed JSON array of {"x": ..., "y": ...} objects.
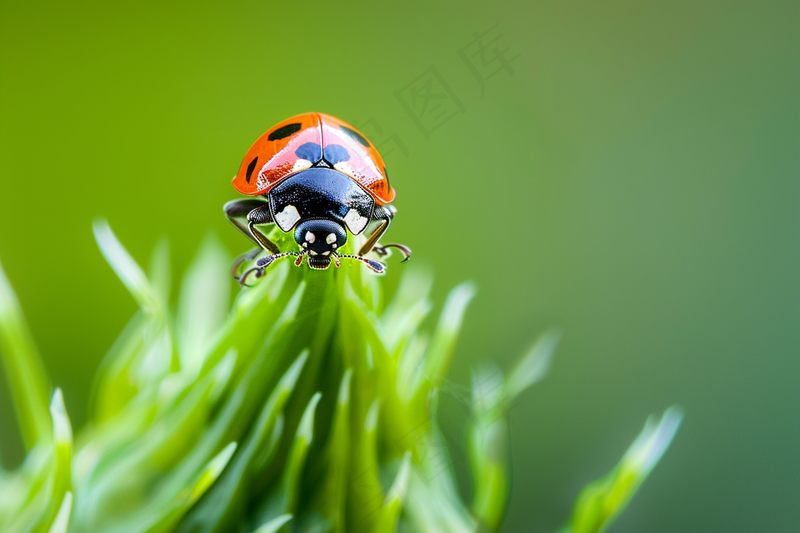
[
  {"x": 61, "y": 521},
  {"x": 343, "y": 437},
  {"x": 443, "y": 343},
  {"x": 126, "y": 268},
  {"x": 274, "y": 525},
  {"x": 227, "y": 500},
  {"x": 160, "y": 271},
  {"x": 533, "y": 367},
  {"x": 203, "y": 304},
  {"x": 408, "y": 309},
  {"x": 602, "y": 500},
  {"x": 393, "y": 502},
  {"x": 332, "y": 496},
  {"x": 293, "y": 469},
  {"x": 24, "y": 370},
  {"x": 62, "y": 441}
]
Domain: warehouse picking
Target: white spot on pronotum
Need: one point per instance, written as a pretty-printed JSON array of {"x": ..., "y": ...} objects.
[
  {"x": 355, "y": 221},
  {"x": 331, "y": 238},
  {"x": 301, "y": 164},
  {"x": 305, "y": 245},
  {"x": 310, "y": 237},
  {"x": 287, "y": 218},
  {"x": 334, "y": 245}
]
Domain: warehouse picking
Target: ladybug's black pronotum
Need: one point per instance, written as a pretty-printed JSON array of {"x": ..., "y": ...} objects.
[{"x": 318, "y": 178}]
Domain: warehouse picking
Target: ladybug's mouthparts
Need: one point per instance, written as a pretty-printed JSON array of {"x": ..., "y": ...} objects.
[{"x": 319, "y": 262}]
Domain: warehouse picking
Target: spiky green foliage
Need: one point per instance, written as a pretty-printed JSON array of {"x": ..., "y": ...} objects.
[{"x": 309, "y": 406}]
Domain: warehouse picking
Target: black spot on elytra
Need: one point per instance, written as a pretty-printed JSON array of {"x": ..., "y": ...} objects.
[
  {"x": 250, "y": 168},
  {"x": 355, "y": 135},
  {"x": 282, "y": 133}
]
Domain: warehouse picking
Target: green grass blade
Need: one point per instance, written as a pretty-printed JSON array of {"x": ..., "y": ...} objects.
[
  {"x": 24, "y": 370},
  {"x": 160, "y": 271},
  {"x": 126, "y": 268},
  {"x": 533, "y": 367},
  {"x": 274, "y": 525},
  {"x": 408, "y": 308},
  {"x": 62, "y": 441},
  {"x": 365, "y": 493},
  {"x": 343, "y": 438},
  {"x": 601, "y": 501},
  {"x": 488, "y": 447},
  {"x": 203, "y": 304},
  {"x": 443, "y": 343},
  {"x": 212, "y": 471},
  {"x": 393, "y": 502},
  {"x": 297, "y": 456},
  {"x": 332, "y": 496},
  {"x": 227, "y": 500},
  {"x": 61, "y": 521}
]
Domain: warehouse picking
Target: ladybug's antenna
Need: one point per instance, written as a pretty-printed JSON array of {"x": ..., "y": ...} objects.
[
  {"x": 376, "y": 266},
  {"x": 264, "y": 262}
]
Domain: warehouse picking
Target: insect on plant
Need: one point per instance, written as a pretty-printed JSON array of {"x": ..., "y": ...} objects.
[{"x": 319, "y": 177}]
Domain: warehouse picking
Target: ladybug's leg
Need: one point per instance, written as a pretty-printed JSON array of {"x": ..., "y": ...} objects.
[
  {"x": 254, "y": 212},
  {"x": 384, "y": 214}
]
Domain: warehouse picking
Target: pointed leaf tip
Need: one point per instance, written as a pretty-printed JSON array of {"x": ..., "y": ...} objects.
[
  {"x": 274, "y": 525},
  {"x": 653, "y": 441},
  {"x": 393, "y": 502},
  {"x": 24, "y": 369},
  {"x": 212, "y": 471},
  {"x": 62, "y": 429},
  {"x": 601, "y": 501},
  {"x": 306, "y": 427},
  {"x": 440, "y": 351},
  {"x": 61, "y": 521},
  {"x": 534, "y": 366},
  {"x": 128, "y": 271}
]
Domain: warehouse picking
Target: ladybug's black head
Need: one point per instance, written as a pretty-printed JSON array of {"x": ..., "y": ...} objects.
[{"x": 320, "y": 237}]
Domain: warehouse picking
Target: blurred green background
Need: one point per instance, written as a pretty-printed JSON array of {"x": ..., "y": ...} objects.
[{"x": 629, "y": 173}]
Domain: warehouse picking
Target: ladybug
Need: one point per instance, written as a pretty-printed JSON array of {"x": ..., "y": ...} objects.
[{"x": 317, "y": 177}]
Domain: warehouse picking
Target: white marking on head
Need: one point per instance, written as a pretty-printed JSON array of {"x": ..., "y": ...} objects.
[
  {"x": 312, "y": 252},
  {"x": 305, "y": 245},
  {"x": 310, "y": 237},
  {"x": 326, "y": 252},
  {"x": 334, "y": 245},
  {"x": 355, "y": 222},
  {"x": 331, "y": 238},
  {"x": 287, "y": 218}
]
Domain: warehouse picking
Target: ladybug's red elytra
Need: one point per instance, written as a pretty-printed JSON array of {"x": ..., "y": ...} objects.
[{"x": 319, "y": 177}]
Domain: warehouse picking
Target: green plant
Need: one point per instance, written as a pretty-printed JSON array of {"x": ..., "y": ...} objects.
[{"x": 309, "y": 406}]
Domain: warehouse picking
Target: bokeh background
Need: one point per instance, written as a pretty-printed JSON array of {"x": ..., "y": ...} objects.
[{"x": 625, "y": 171}]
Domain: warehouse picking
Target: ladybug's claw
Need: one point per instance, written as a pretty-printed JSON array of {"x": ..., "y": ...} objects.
[
  {"x": 259, "y": 272},
  {"x": 244, "y": 258},
  {"x": 382, "y": 251}
]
